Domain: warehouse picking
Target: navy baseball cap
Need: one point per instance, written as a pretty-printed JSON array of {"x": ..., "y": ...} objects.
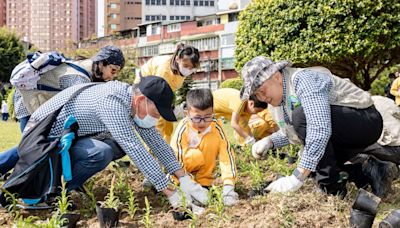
[{"x": 157, "y": 90}]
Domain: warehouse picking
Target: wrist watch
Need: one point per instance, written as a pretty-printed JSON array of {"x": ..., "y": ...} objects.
[
  {"x": 171, "y": 186},
  {"x": 299, "y": 175}
]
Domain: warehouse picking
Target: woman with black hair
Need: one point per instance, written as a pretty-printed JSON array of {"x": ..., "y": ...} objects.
[{"x": 174, "y": 69}]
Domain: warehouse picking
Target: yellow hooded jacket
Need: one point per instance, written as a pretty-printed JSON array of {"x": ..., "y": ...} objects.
[{"x": 201, "y": 160}]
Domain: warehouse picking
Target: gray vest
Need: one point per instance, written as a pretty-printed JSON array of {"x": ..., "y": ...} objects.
[
  {"x": 343, "y": 93},
  {"x": 33, "y": 99}
]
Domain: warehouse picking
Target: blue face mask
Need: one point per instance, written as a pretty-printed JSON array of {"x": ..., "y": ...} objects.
[{"x": 147, "y": 122}]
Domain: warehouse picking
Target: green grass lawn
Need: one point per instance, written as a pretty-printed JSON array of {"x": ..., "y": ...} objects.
[{"x": 10, "y": 134}]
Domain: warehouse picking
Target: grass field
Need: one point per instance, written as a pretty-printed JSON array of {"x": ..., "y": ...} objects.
[{"x": 305, "y": 208}]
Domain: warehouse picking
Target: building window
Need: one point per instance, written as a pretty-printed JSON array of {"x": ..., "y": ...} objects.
[
  {"x": 113, "y": 15},
  {"x": 149, "y": 50},
  {"x": 205, "y": 44},
  {"x": 164, "y": 18},
  {"x": 155, "y": 30},
  {"x": 171, "y": 18},
  {"x": 113, "y": 6},
  {"x": 228, "y": 39},
  {"x": 113, "y": 26},
  {"x": 196, "y": 3},
  {"x": 147, "y": 18},
  {"x": 211, "y": 3},
  {"x": 147, "y": 2},
  {"x": 233, "y": 17},
  {"x": 174, "y": 28},
  {"x": 187, "y": 17}
]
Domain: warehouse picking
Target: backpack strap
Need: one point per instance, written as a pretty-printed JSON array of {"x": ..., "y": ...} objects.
[{"x": 77, "y": 67}]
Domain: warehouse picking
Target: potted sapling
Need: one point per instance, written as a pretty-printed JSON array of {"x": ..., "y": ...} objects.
[{"x": 107, "y": 210}]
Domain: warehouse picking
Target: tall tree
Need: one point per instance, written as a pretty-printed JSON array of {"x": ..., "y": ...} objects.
[
  {"x": 11, "y": 53},
  {"x": 357, "y": 39}
]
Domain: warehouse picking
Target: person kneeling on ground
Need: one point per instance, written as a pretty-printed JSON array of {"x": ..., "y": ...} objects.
[
  {"x": 199, "y": 141},
  {"x": 125, "y": 112},
  {"x": 334, "y": 120},
  {"x": 227, "y": 104}
]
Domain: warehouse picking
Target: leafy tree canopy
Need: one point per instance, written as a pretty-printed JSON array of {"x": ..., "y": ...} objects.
[{"x": 357, "y": 39}]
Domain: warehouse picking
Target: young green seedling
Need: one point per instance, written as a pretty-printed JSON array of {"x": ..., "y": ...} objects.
[{"x": 146, "y": 220}]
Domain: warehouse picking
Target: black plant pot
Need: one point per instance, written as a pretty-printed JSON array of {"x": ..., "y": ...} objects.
[
  {"x": 361, "y": 219},
  {"x": 108, "y": 217},
  {"x": 258, "y": 191},
  {"x": 73, "y": 218},
  {"x": 292, "y": 160},
  {"x": 180, "y": 216},
  {"x": 392, "y": 220},
  {"x": 366, "y": 201}
]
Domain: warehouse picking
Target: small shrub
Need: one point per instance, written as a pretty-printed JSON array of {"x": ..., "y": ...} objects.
[{"x": 234, "y": 83}]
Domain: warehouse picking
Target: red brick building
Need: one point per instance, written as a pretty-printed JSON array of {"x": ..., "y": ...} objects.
[{"x": 213, "y": 35}]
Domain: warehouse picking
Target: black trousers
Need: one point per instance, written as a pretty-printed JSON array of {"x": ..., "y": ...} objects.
[{"x": 353, "y": 130}]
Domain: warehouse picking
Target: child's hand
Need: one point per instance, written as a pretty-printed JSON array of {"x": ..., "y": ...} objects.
[{"x": 230, "y": 196}]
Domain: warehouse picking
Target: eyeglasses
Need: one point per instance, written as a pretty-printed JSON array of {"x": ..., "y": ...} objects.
[{"x": 198, "y": 119}]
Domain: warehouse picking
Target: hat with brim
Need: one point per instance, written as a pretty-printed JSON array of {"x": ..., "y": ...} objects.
[
  {"x": 157, "y": 90},
  {"x": 256, "y": 71}
]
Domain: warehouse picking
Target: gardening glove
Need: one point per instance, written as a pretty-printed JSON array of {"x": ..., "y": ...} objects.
[
  {"x": 260, "y": 148},
  {"x": 197, "y": 210},
  {"x": 179, "y": 111},
  {"x": 285, "y": 184},
  {"x": 193, "y": 190},
  {"x": 229, "y": 195},
  {"x": 176, "y": 199},
  {"x": 249, "y": 140}
]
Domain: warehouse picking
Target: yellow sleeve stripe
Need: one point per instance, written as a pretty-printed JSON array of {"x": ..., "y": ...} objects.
[{"x": 228, "y": 145}]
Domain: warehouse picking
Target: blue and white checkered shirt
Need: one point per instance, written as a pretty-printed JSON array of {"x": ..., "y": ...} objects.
[
  {"x": 107, "y": 108},
  {"x": 65, "y": 81},
  {"x": 312, "y": 89},
  {"x": 19, "y": 107}
]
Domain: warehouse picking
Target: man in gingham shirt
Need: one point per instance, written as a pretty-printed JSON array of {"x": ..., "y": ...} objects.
[
  {"x": 104, "y": 66},
  {"x": 334, "y": 120},
  {"x": 125, "y": 112}
]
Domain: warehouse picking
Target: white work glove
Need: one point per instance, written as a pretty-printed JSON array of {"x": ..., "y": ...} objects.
[
  {"x": 285, "y": 184},
  {"x": 249, "y": 140},
  {"x": 176, "y": 199},
  {"x": 197, "y": 210},
  {"x": 230, "y": 196},
  {"x": 179, "y": 111},
  {"x": 260, "y": 148},
  {"x": 193, "y": 190}
]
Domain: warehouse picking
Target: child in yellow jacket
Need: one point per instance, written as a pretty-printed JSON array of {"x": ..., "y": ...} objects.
[
  {"x": 199, "y": 141},
  {"x": 395, "y": 90},
  {"x": 174, "y": 69},
  {"x": 227, "y": 104}
]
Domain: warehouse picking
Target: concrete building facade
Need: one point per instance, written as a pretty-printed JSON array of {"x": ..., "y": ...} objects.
[
  {"x": 177, "y": 10},
  {"x": 52, "y": 24},
  {"x": 121, "y": 15},
  {"x": 213, "y": 35},
  {"x": 3, "y": 13}
]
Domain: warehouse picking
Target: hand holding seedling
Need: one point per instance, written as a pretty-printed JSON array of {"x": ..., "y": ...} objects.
[{"x": 259, "y": 149}]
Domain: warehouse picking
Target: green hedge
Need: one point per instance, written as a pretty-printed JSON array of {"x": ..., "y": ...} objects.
[{"x": 235, "y": 83}]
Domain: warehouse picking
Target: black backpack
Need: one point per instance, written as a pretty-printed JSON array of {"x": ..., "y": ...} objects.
[{"x": 42, "y": 160}]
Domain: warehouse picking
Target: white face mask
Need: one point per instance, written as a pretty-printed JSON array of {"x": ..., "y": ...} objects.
[
  {"x": 185, "y": 71},
  {"x": 147, "y": 122}
]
